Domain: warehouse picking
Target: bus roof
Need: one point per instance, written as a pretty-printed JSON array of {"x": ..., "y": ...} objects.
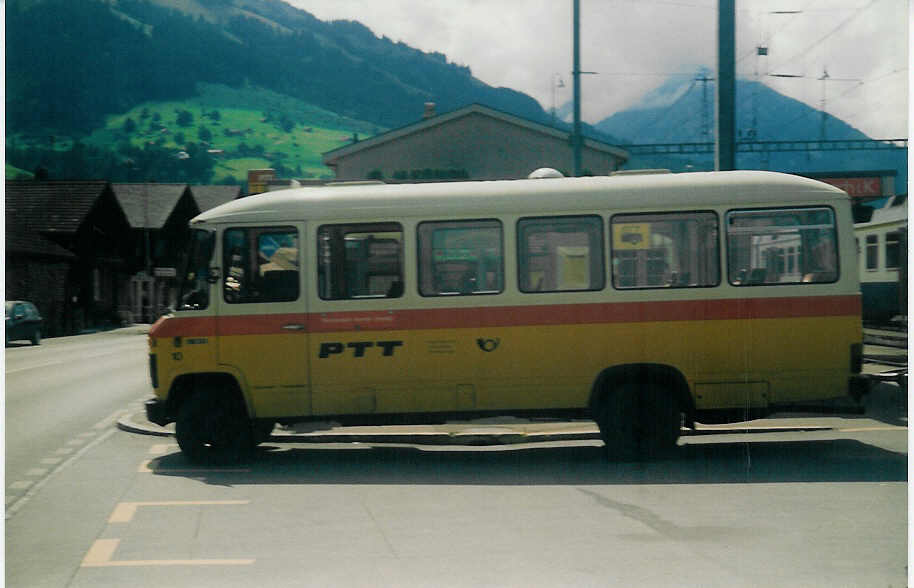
[{"x": 553, "y": 195}]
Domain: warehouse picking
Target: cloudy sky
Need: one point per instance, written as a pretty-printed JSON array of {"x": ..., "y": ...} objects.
[{"x": 635, "y": 45}]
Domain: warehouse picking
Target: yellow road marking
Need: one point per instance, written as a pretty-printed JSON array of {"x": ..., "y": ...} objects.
[
  {"x": 124, "y": 511},
  {"x": 101, "y": 553}
]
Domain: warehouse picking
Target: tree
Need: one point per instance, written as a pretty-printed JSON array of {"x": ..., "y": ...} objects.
[
  {"x": 129, "y": 126},
  {"x": 204, "y": 134},
  {"x": 185, "y": 118}
]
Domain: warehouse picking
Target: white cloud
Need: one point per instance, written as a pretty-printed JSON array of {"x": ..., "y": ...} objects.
[{"x": 634, "y": 45}]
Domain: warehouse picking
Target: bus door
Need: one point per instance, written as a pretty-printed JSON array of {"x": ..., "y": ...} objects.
[
  {"x": 262, "y": 317},
  {"x": 359, "y": 349}
]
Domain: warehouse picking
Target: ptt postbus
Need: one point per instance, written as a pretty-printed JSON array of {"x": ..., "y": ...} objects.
[{"x": 644, "y": 302}]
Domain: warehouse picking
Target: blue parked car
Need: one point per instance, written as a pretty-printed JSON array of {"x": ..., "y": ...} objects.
[{"x": 23, "y": 321}]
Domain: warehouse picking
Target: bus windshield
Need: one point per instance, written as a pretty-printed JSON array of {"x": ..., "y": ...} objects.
[{"x": 194, "y": 288}]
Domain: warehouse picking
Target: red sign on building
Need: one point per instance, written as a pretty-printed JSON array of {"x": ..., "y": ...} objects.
[{"x": 857, "y": 187}]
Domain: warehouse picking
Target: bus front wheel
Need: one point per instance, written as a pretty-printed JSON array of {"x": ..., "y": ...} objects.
[
  {"x": 213, "y": 427},
  {"x": 638, "y": 420}
]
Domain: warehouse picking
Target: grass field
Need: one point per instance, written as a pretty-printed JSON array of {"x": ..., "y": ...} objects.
[
  {"x": 14, "y": 173},
  {"x": 245, "y": 127}
]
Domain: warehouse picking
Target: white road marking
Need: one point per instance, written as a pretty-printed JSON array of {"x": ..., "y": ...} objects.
[
  {"x": 24, "y": 499},
  {"x": 80, "y": 359}
]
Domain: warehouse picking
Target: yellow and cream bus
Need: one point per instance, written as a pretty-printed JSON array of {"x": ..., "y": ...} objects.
[{"x": 644, "y": 302}]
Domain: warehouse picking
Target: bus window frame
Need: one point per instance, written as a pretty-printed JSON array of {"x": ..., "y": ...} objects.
[
  {"x": 363, "y": 228},
  {"x": 803, "y": 207},
  {"x": 522, "y": 262},
  {"x": 502, "y": 254},
  {"x": 252, "y": 237},
  {"x": 186, "y": 298},
  {"x": 719, "y": 250}
]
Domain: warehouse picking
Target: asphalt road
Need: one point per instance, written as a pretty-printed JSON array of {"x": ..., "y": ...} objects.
[
  {"x": 62, "y": 395},
  {"x": 824, "y": 507}
]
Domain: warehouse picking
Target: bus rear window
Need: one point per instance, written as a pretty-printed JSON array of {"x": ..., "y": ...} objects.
[
  {"x": 460, "y": 258},
  {"x": 786, "y": 246},
  {"x": 667, "y": 250}
]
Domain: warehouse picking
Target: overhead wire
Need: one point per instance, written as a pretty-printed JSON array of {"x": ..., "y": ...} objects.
[{"x": 816, "y": 43}]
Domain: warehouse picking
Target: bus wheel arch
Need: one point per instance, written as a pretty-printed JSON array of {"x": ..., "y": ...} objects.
[
  {"x": 639, "y": 409},
  {"x": 212, "y": 423}
]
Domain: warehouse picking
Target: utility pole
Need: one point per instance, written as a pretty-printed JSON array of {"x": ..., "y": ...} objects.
[
  {"x": 576, "y": 74},
  {"x": 555, "y": 82},
  {"x": 705, "y": 127},
  {"x": 725, "y": 104}
]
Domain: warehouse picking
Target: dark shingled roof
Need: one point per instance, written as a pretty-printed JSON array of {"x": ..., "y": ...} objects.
[
  {"x": 148, "y": 206},
  {"x": 208, "y": 197},
  {"x": 34, "y": 209}
]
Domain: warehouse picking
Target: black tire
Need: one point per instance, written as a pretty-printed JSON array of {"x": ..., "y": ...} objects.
[
  {"x": 262, "y": 430},
  {"x": 638, "y": 420},
  {"x": 213, "y": 427},
  {"x": 36, "y": 337}
]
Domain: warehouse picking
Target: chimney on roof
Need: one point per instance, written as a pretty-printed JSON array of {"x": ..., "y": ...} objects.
[{"x": 429, "y": 110}]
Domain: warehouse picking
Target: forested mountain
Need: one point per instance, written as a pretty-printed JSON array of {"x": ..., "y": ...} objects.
[
  {"x": 682, "y": 111},
  {"x": 72, "y": 62}
]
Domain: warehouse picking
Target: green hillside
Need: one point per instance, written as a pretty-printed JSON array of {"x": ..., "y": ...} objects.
[
  {"x": 14, "y": 173},
  {"x": 279, "y": 132}
]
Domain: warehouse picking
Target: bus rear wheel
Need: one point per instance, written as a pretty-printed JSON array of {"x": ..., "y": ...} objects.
[
  {"x": 213, "y": 428},
  {"x": 638, "y": 420}
]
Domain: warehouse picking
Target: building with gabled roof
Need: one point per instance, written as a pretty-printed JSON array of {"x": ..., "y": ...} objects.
[
  {"x": 150, "y": 205},
  {"x": 66, "y": 251},
  {"x": 211, "y": 196},
  {"x": 474, "y": 142}
]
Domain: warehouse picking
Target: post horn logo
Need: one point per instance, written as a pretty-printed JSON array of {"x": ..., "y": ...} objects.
[{"x": 488, "y": 345}]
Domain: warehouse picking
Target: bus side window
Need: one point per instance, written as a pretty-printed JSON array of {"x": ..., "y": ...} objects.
[
  {"x": 360, "y": 261},
  {"x": 560, "y": 254},
  {"x": 781, "y": 246},
  {"x": 665, "y": 250},
  {"x": 260, "y": 265},
  {"x": 460, "y": 258}
]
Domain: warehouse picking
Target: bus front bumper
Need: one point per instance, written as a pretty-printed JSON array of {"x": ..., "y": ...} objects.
[{"x": 156, "y": 413}]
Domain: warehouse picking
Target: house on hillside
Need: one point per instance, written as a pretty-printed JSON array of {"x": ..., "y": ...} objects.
[
  {"x": 67, "y": 250},
  {"x": 472, "y": 143}
]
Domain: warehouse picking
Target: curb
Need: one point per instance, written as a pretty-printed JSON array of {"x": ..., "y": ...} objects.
[{"x": 476, "y": 436}]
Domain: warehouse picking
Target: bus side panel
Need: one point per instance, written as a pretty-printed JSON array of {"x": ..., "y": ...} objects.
[
  {"x": 274, "y": 371},
  {"x": 804, "y": 358},
  {"x": 739, "y": 361}
]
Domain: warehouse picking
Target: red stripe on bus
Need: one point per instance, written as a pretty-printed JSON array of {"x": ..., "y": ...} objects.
[{"x": 511, "y": 316}]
